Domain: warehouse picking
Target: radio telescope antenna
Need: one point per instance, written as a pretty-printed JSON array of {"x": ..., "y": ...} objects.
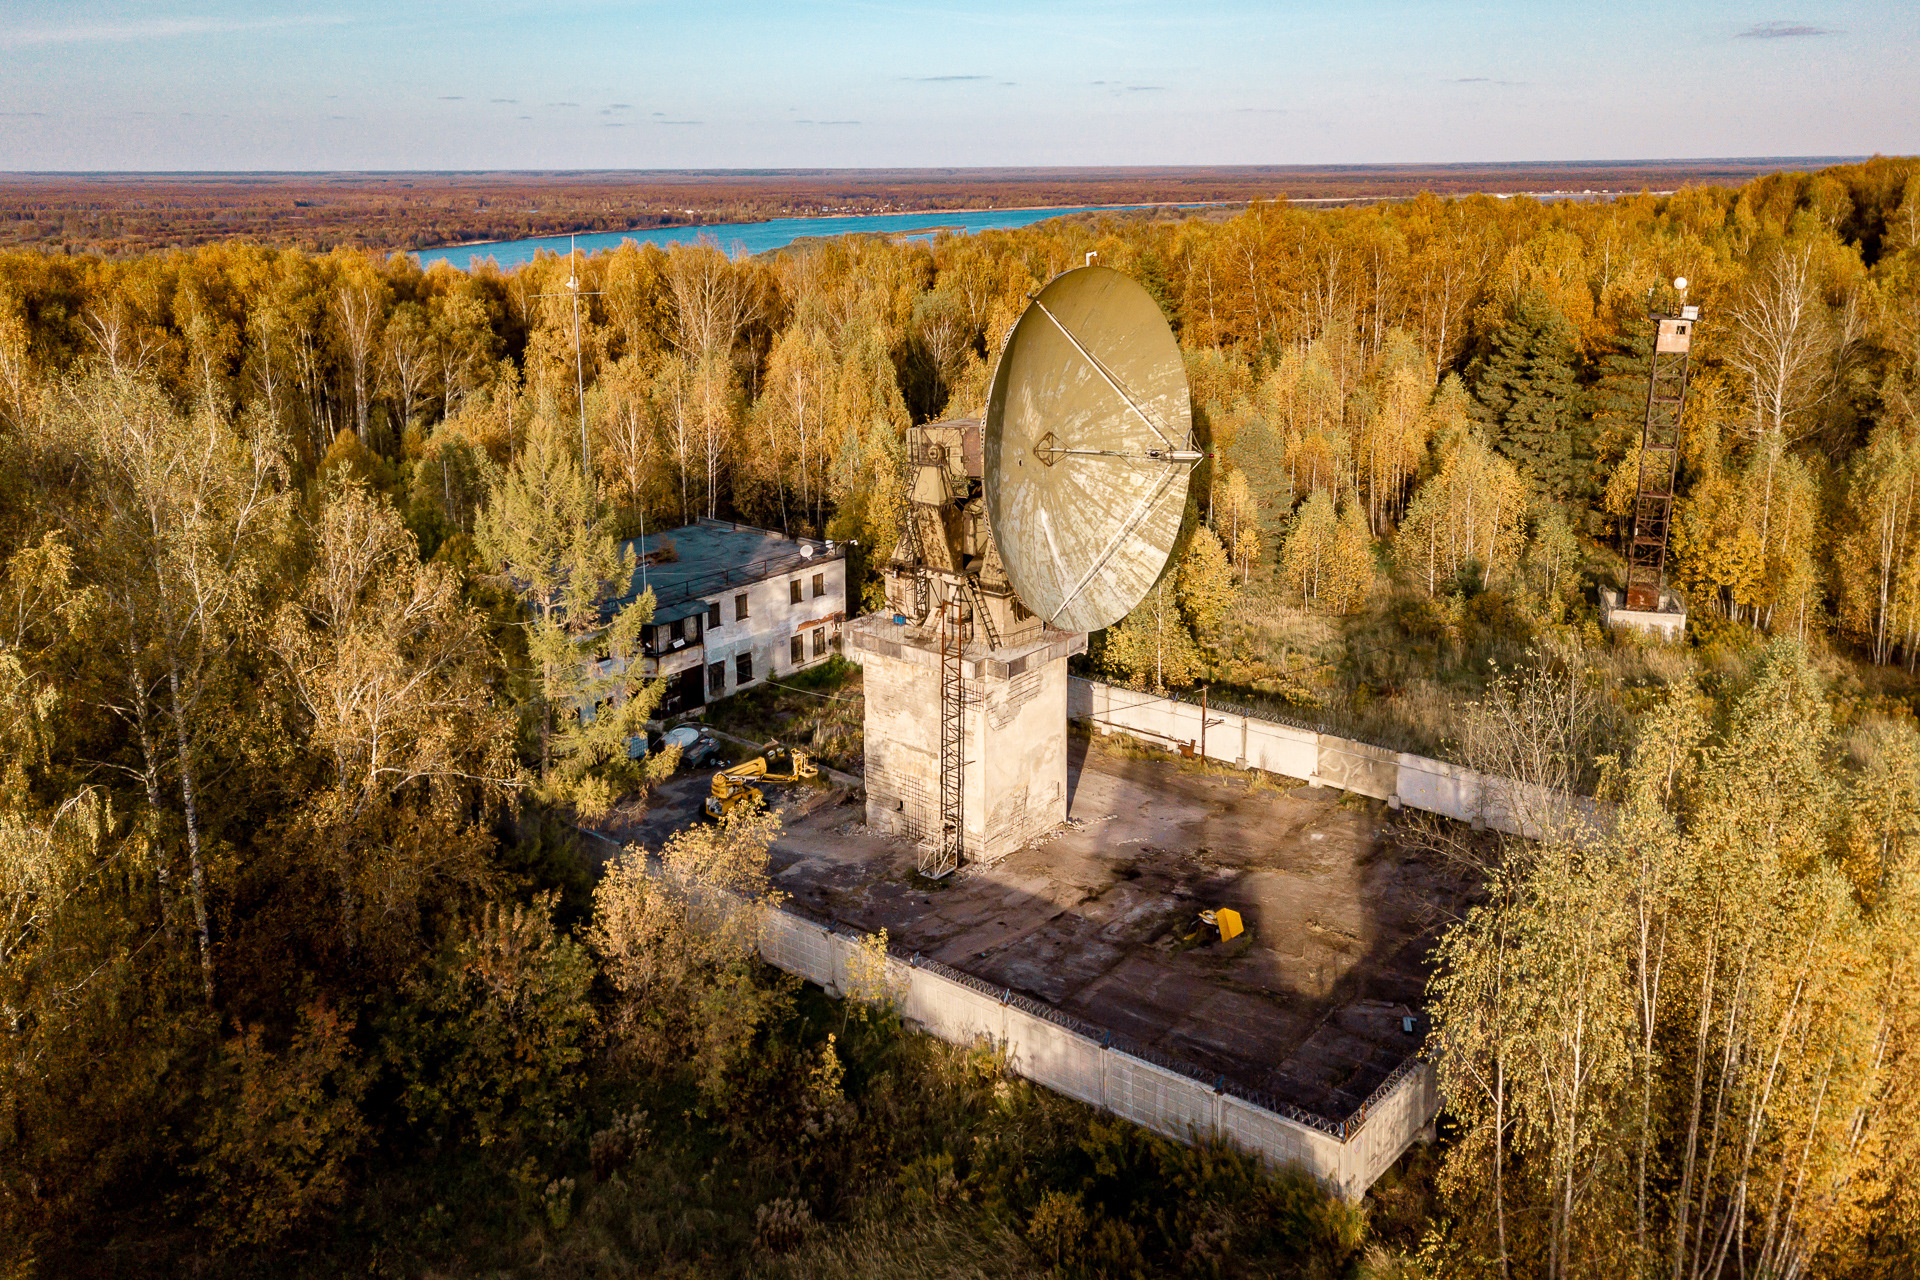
[
  {"x": 1051, "y": 518},
  {"x": 574, "y": 292},
  {"x": 1089, "y": 448}
]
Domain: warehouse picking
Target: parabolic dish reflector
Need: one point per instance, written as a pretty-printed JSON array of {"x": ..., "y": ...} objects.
[{"x": 1089, "y": 444}]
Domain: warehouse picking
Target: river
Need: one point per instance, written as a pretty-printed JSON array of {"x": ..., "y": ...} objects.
[{"x": 758, "y": 237}]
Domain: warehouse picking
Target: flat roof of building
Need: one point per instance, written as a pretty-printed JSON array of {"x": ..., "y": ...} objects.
[
  {"x": 711, "y": 556},
  {"x": 1310, "y": 1008}
]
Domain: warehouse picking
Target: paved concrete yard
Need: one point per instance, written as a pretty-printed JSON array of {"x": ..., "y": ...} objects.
[{"x": 1341, "y": 916}]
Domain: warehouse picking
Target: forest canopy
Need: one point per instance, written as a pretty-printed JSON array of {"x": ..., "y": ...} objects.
[{"x": 302, "y": 567}]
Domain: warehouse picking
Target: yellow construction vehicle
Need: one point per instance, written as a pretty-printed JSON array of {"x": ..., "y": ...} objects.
[
  {"x": 1220, "y": 925},
  {"x": 731, "y": 786}
]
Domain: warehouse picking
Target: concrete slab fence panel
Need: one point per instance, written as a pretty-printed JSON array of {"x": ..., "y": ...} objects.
[
  {"x": 1060, "y": 1059},
  {"x": 1393, "y": 1122},
  {"x": 1281, "y": 1141},
  {"x": 1359, "y": 767},
  {"x": 797, "y": 946},
  {"x": 954, "y": 1013},
  {"x": 1279, "y": 749},
  {"x": 1437, "y": 787},
  {"x": 1157, "y": 1099},
  {"x": 1434, "y": 786}
]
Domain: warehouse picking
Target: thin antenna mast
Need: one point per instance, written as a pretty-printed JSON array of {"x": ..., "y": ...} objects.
[{"x": 579, "y": 370}]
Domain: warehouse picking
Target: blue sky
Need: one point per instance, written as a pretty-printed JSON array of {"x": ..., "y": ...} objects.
[{"x": 723, "y": 84}]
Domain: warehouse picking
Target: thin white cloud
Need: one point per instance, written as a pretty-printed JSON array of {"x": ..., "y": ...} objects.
[
  {"x": 1783, "y": 31},
  {"x": 152, "y": 29}
]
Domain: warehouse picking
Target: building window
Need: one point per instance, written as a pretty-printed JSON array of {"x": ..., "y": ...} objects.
[
  {"x": 713, "y": 615},
  {"x": 678, "y": 629},
  {"x": 819, "y": 641},
  {"x": 740, "y": 607},
  {"x": 819, "y": 585},
  {"x": 743, "y": 669},
  {"x": 793, "y": 591},
  {"x": 716, "y": 676},
  {"x": 798, "y": 648}
]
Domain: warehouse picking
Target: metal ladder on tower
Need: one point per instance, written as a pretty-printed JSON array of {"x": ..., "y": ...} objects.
[
  {"x": 979, "y": 606},
  {"x": 1659, "y": 459},
  {"x": 941, "y": 855},
  {"x": 922, "y": 589}
]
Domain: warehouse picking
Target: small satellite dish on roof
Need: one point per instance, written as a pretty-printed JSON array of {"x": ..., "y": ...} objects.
[
  {"x": 806, "y": 551},
  {"x": 1089, "y": 446}
]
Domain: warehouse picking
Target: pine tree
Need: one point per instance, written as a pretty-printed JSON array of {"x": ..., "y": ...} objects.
[
  {"x": 548, "y": 532},
  {"x": 1526, "y": 392},
  {"x": 1618, "y": 404}
]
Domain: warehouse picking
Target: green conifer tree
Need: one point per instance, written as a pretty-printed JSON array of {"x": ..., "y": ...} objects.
[
  {"x": 549, "y": 532},
  {"x": 1526, "y": 391},
  {"x": 1617, "y": 404}
]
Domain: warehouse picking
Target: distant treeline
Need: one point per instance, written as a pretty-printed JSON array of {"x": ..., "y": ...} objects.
[{"x": 119, "y": 214}]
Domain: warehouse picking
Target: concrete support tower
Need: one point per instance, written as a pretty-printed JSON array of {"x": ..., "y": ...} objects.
[{"x": 988, "y": 772}]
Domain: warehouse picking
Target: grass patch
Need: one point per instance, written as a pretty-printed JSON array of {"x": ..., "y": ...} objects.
[{"x": 819, "y": 709}]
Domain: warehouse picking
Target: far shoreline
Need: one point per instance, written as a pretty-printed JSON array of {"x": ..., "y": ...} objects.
[{"x": 810, "y": 217}]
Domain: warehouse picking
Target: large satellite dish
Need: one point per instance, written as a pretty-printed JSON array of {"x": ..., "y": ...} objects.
[{"x": 1089, "y": 444}]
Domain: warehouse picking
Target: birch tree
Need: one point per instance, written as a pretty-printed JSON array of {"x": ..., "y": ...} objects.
[{"x": 189, "y": 514}]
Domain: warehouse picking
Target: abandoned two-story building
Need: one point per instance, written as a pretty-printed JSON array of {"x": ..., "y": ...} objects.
[{"x": 735, "y": 605}]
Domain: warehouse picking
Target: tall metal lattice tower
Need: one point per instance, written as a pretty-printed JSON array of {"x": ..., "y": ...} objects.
[{"x": 1659, "y": 457}]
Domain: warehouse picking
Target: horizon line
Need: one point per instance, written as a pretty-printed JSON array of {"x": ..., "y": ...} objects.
[{"x": 949, "y": 169}]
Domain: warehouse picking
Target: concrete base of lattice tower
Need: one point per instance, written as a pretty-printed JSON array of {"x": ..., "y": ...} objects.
[
  {"x": 1667, "y": 624},
  {"x": 1015, "y": 734}
]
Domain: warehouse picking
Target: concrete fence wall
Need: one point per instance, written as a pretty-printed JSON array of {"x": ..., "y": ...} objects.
[
  {"x": 1322, "y": 758},
  {"x": 1085, "y": 1063}
]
